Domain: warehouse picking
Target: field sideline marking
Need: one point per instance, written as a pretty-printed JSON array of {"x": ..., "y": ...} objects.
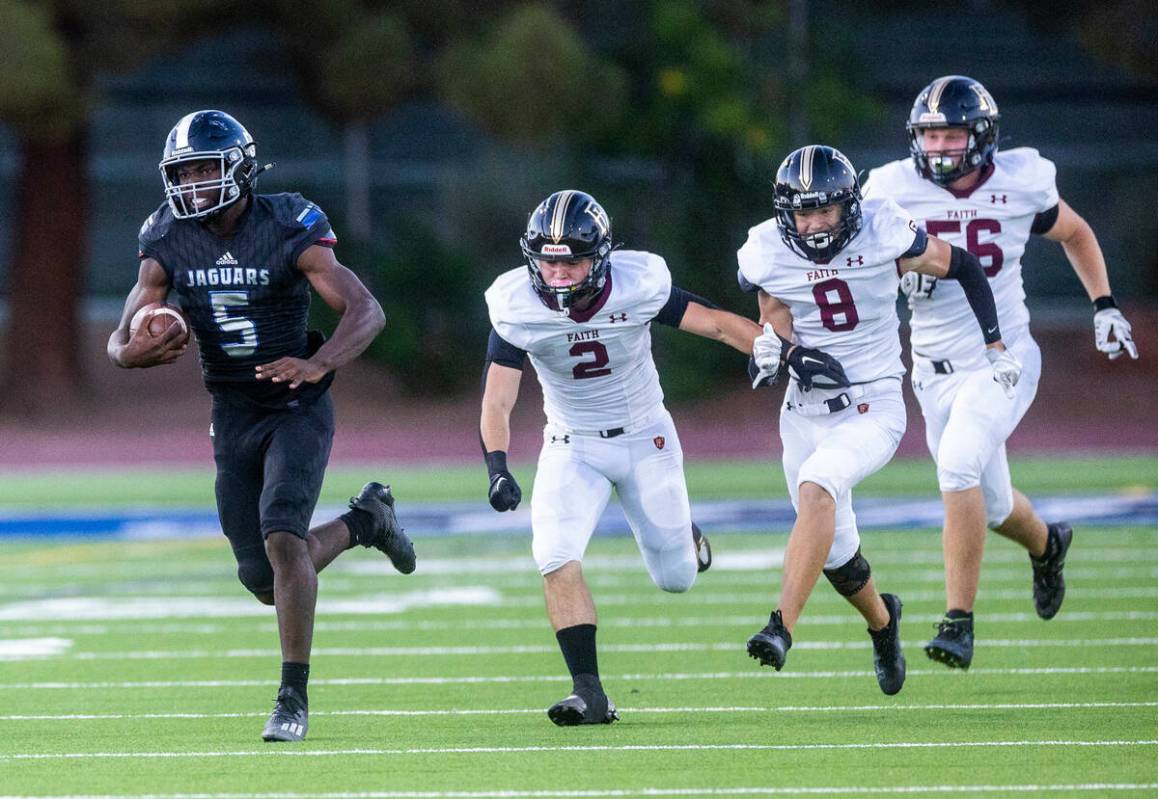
[
  {"x": 537, "y": 711},
  {"x": 544, "y": 649},
  {"x": 610, "y": 794},
  {"x": 199, "y": 628},
  {"x": 558, "y": 678},
  {"x": 500, "y": 750}
]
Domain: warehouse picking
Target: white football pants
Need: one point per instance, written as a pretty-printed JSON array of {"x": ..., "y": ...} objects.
[
  {"x": 838, "y": 450},
  {"x": 573, "y": 485},
  {"x": 968, "y": 418}
]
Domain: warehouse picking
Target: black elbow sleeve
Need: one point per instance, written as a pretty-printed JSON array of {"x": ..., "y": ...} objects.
[{"x": 966, "y": 270}]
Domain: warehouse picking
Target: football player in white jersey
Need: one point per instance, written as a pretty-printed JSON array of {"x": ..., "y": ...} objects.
[
  {"x": 584, "y": 319},
  {"x": 827, "y": 268},
  {"x": 961, "y": 189}
]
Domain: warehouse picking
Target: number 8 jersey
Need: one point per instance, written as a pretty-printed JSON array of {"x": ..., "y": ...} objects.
[
  {"x": 595, "y": 365},
  {"x": 993, "y": 221},
  {"x": 246, "y": 300},
  {"x": 847, "y": 306}
]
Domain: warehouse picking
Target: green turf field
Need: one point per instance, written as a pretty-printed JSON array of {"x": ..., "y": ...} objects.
[{"x": 157, "y": 672}]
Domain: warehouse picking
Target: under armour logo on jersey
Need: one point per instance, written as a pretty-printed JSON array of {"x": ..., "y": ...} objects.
[
  {"x": 564, "y": 439},
  {"x": 858, "y": 261},
  {"x": 994, "y": 198},
  {"x": 618, "y": 318},
  {"x": 227, "y": 259}
]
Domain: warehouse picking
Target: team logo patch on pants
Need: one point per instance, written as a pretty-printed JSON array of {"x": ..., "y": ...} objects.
[
  {"x": 659, "y": 441},
  {"x": 863, "y": 407}
]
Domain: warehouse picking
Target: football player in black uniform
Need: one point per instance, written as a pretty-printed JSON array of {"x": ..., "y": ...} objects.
[{"x": 242, "y": 265}]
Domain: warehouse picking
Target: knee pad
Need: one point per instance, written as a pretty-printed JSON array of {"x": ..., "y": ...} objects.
[
  {"x": 958, "y": 476},
  {"x": 256, "y": 574},
  {"x": 673, "y": 569},
  {"x": 851, "y": 577}
]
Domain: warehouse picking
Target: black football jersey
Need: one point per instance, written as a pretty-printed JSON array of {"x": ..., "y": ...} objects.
[{"x": 246, "y": 300}]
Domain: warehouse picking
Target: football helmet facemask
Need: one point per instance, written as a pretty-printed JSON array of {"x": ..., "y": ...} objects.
[
  {"x": 817, "y": 177},
  {"x": 953, "y": 101},
  {"x": 568, "y": 226},
  {"x": 208, "y": 136}
]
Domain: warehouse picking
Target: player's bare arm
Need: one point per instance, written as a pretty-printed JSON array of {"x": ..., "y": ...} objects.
[
  {"x": 1081, "y": 248},
  {"x": 499, "y": 396},
  {"x": 142, "y": 350},
  {"x": 361, "y": 320},
  {"x": 723, "y": 326}
]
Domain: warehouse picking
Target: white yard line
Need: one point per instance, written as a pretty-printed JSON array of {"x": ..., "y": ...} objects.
[
  {"x": 562, "y": 679},
  {"x": 538, "y": 711},
  {"x": 635, "y": 748},
  {"x": 806, "y": 790}
]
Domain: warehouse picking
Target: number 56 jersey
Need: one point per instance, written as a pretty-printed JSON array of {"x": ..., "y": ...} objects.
[
  {"x": 595, "y": 366},
  {"x": 993, "y": 221},
  {"x": 847, "y": 306}
]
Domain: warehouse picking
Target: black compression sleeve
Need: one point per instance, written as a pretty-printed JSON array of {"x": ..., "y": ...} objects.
[
  {"x": 1043, "y": 223},
  {"x": 504, "y": 353},
  {"x": 672, "y": 313},
  {"x": 920, "y": 244},
  {"x": 966, "y": 270}
]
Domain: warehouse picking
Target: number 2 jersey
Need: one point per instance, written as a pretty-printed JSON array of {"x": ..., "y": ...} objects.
[
  {"x": 993, "y": 220},
  {"x": 848, "y": 305},
  {"x": 595, "y": 366},
  {"x": 246, "y": 300}
]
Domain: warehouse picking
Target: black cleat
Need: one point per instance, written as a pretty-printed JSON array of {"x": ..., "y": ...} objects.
[
  {"x": 703, "y": 550},
  {"x": 389, "y": 537},
  {"x": 888, "y": 659},
  {"x": 1049, "y": 584},
  {"x": 953, "y": 644},
  {"x": 587, "y": 704},
  {"x": 289, "y": 720},
  {"x": 770, "y": 646}
]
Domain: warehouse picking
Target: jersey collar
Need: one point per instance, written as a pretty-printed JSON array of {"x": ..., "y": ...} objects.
[{"x": 596, "y": 305}]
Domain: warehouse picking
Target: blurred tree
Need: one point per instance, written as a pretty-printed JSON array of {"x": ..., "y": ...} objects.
[{"x": 51, "y": 52}]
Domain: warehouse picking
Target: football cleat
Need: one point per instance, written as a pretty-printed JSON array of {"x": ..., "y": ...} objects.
[
  {"x": 1049, "y": 584},
  {"x": 703, "y": 550},
  {"x": 953, "y": 644},
  {"x": 770, "y": 646},
  {"x": 587, "y": 704},
  {"x": 389, "y": 537},
  {"x": 888, "y": 659},
  {"x": 289, "y": 720}
]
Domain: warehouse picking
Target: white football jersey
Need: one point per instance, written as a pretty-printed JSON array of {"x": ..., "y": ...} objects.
[
  {"x": 993, "y": 222},
  {"x": 596, "y": 374},
  {"x": 847, "y": 307}
]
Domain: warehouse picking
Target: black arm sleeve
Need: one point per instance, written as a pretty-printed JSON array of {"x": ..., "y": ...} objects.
[
  {"x": 502, "y": 352},
  {"x": 966, "y": 270},
  {"x": 920, "y": 244},
  {"x": 1043, "y": 223},
  {"x": 672, "y": 312}
]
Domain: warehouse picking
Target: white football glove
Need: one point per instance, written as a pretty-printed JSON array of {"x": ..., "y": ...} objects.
[
  {"x": 1006, "y": 369},
  {"x": 766, "y": 352},
  {"x": 1107, "y": 322}
]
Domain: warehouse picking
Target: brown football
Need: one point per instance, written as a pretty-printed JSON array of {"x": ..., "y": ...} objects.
[{"x": 157, "y": 317}]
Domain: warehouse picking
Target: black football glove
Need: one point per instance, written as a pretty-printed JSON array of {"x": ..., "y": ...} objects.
[
  {"x": 505, "y": 493},
  {"x": 815, "y": 369}
]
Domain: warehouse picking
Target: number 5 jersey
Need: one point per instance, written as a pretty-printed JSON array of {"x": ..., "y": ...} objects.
[
  {"x": 1015, "y": 196},
  {"x": 846, "y": 306},
  {"x": 246, "y": 300}
]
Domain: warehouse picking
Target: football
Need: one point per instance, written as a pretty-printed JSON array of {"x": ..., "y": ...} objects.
[{"x": 157, "y": 317}]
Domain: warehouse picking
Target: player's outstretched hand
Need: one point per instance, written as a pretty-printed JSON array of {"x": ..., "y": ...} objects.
[
  {"x": 143, "y": 350},
  {"x": 1006, "y": 369},
  {"x": 815, "y": 369},
  {"x": 294, "y": 371},
  {"x": 1107, "y": 322},
  {"x": 766, "y": 356}
]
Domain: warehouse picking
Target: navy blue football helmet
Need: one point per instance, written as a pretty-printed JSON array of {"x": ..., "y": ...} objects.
[
  {"x": 817, "y": 176},
  {"x": 207, "y": 136},
  {"x": 568, "y": 226},
  {"x": 954, "y": 101}
]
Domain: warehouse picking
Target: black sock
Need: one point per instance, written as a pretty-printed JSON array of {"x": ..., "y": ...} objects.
[
  {"x": 360, "y": 523},
  {"x": 578, "y": 645},
  {"x": 956, "y": 613},
  {"x": 295, "y": 675}
]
